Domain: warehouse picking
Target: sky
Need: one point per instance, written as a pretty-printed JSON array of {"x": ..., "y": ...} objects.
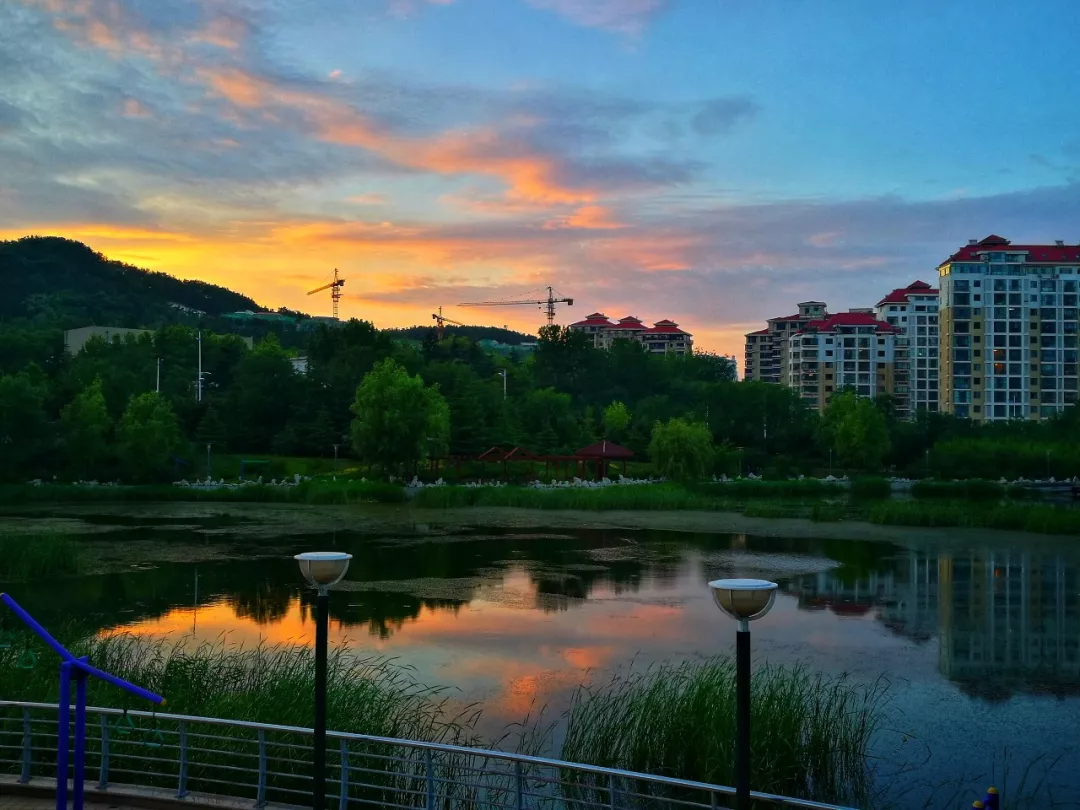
[{"x": 709, "y": 161}]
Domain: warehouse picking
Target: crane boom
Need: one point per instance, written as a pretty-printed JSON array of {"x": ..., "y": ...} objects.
[
  {"x": 335, "y": 291},
  {"x": 441, "y": 321},
  {"x": 548, "y": 303}
]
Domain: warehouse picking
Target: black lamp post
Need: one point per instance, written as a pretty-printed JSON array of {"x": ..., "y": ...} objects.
[
  {"x": 321, "y": 569},
  {"x": 743, "y": 600}
]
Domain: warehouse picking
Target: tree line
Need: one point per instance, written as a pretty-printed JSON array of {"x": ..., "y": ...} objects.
[{"x": 128, "y": 409}]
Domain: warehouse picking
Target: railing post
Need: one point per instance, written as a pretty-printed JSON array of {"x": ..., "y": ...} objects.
[
  {"x": 519, "y": 787},
  {"x": 343, "y": 789},
  {"x": 24, "y": 775},
  {"x": 260, "y": 796},
  {"x": 181, "y": 786},
  {"x": 611, "y": 791},
  {"x": 103, "y": 770},
  {"x": 429, "y": 761}
]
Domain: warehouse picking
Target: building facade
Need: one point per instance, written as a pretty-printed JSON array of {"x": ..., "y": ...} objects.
[
  {"x": 914, "y": 311},
  {"x": 849, "y": 350},
  {"x": 766, "y": 356},
  {"x": 663, "y": 337},
  {"x": 1008, "y": 329}
]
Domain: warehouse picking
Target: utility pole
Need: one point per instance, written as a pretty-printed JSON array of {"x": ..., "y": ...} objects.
[
  {"x": 198, "y": 383},
  {"x": 157, "y": 385},
  {"x": 208, "y": 446}
]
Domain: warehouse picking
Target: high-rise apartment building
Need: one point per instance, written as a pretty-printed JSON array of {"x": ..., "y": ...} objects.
[
  {"x": 1008, "y": 329},
  {"x": 914, "y": 311},
  {"x": 849, "y": 350},
  {"x": 766, "y": 356}
]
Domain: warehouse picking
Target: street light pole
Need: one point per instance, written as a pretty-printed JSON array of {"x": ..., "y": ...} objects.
[
  {"x": 743, "y": 600},
  {"x": 321, "y": 569},
  {"x": 503, "y": 375},
  {"x": 336, "y": 446},
  {"x": 208, "y": 446}
]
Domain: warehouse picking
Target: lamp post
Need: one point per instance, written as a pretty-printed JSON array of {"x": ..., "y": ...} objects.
[
  {"x": 743, "y": 600},
  {"x": 321, "y": 569},
  {"x": 209, "y": 474},
  {"x": 503, "y": 375}
]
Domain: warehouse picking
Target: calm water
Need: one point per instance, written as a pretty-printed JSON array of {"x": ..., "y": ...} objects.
[{"x": 981, "y": 646}]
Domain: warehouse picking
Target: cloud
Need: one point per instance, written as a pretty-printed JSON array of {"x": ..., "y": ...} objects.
[
  {"x": 720, "y": 115},
  {"x": 629, "y": 17}
]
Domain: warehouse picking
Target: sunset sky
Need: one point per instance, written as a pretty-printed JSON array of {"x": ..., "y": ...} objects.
[{"x": 709, "y": 161}]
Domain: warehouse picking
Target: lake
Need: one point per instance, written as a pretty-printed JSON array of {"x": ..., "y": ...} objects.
[{"x": 979, "y": 640}]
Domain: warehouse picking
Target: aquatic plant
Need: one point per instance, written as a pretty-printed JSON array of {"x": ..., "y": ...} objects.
[
  {"x": 810, "y": 736},
  {"x": 1038, "y": 518},
  {"x": 30, "y": 556}
]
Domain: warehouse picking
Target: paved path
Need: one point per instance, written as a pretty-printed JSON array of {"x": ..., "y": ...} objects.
[{"x": 34, "y": 803}]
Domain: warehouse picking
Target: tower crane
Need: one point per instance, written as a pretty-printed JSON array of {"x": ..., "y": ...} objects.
[
  {"x": 440, "y": 323},
  {"x": 335, "y": 290},
  {"x": 548, "y": 303}
]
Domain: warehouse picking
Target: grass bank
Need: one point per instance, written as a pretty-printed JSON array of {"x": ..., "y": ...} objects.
[
  {"x": 311, "y": 492},
  {"x": 1038, "y": 518},
  {"x": 810, "y": 736},
  {"x": 28, "y": 556}
]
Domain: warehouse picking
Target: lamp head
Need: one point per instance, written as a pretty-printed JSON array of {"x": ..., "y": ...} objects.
[
  {"x": 323, "y": 568},
  {"x": 744, "y": 599}
]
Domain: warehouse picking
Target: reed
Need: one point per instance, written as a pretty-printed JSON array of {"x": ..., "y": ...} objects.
[
  {"x": 24, "y": 556},
  {"x": 810, "y": 735},
  {"x": 1038, "y": 518},
  {"x": 654, "y": 497},
  {"x": 319, "y": 491}
]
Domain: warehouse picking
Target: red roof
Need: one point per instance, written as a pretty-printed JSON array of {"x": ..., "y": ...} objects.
[
  {"x": 666, "y": 328},
  {"x": 629, "y": 322},
  {"x": 1036, "y": 253},
  {"x": 758, "y": 332},
  {"x": 795, "y": 317},
  {"x": 850, "y": 319},
  {"x": 605, "y": 449},
  {"x": 900, "y": 296},
  {"x": 596, "y": 319}
]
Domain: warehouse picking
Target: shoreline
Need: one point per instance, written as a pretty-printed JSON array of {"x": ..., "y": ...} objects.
[{"x": 278, "y": 520}]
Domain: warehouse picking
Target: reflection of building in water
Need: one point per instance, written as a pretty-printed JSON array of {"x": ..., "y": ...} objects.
[
  {"x": 1010, "y": 614},
  {"x": 913, "y": 610},
  {"x": 851, "y": 597}
]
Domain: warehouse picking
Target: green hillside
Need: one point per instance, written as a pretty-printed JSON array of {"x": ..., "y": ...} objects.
[
  {"x": 476, "y": 333},
  {"x": 62, "y": 283}
]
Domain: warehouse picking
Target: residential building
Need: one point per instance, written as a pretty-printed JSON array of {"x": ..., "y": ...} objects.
[
  {"x": 914, "y": 310},
  {"x": 766, "y": 356},
  {"x": 663, "y": 337},
  {"x": 849, "y": 350},
  {"x": 1008, "y": 329}
]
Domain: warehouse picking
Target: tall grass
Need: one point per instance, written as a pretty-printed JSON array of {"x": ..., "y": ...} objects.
[
  {"x": 1037, "y": 518},
  {"x": 322, "y": 491},
  {"x": 30, "y": 556},
  {"x": 810, "y": 736},
  {"x": 659, "y": 496},
  {"x": 369, "y": 695},
  {"x": 973, "y": 489},
  {"x": 797, "y": 488}
]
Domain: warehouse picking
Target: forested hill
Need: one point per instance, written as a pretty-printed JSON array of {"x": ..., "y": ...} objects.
[
  {"x": 475, "y": 333},
  {"x": 53, "y": 281}
]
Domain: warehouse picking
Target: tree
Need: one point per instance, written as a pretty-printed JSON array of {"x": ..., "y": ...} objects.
[
  {"x": 146, "y": 436},
  {"x": 264, "y": 392},
  {"x": 857, "y": 430},
  {"x": 25, "y": 433},
  {"x": 84, "y": 427},
  {"x": 616, "y": 420},
  {"x": 681, "y": 450},
  {"x": 398, "y": 420},
  {"x": 212, "y": 429}
]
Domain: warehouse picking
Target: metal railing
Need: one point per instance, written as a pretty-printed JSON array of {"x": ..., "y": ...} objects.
[{"x": 269, "y": 764}]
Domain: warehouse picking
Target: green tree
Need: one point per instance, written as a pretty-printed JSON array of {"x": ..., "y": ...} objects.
[
  {"x": 857, "y": 431},
  {"x": 681, "y": 450},
  {"x": 398, "y": 420},
  {"x": 25, "y": 433},
  {"x": 212, "y": 429},
  {"x": 146, "y": 436},
  {"x": 84, "y": 428},
  {"x": 616, "y": 420}
]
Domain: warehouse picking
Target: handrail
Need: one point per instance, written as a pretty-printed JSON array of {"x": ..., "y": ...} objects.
[{"x": 185, "y": 722}]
